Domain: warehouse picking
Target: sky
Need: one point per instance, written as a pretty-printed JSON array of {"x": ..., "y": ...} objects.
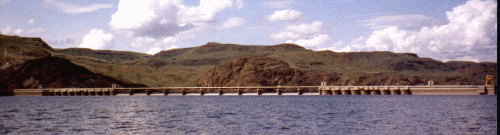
[{"x": 444, "y": 30}]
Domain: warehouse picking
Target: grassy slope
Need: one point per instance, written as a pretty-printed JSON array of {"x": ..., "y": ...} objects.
[
  {"x": 186, "y": 66},
  {"x": 20, "y": 48},
  {"x": 107, "y": 55}
]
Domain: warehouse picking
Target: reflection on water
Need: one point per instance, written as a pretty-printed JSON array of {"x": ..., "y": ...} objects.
[{"x": 249, "y": 115}]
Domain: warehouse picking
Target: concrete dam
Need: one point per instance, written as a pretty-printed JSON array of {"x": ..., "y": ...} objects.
[
  {"x": 430, "y": 89},
  {"x": 265, "y": 90}
]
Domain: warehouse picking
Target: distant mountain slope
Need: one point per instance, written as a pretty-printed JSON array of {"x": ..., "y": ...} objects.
[
  {"x": 54, "y": 72},
  {"x": 23, "y": 48},
  {"x": 271, "y": 72},
  {"x": 212, "y": 54},
  {"x": 198, "y": 66},
  {"x": 263, "y": 72},
  {"x": 107, "y": 55}
]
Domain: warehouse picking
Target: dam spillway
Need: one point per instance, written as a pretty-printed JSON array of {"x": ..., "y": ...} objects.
[{"x": 265, "y": 90}]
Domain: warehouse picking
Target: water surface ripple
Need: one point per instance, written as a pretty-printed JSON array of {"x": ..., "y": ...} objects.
[{"x": 249, "y": 115}]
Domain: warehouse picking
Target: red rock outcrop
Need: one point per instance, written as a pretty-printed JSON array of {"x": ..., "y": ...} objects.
[{"x": 263, "y": 72}]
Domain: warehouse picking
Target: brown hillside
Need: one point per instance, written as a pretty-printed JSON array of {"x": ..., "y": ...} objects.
[
  {"x": 54, "y": 72},
  {"x": 208, "y": 65},
  {"x": 263, "y": 72}
]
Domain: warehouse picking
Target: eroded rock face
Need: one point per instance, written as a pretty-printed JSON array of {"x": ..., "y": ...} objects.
[
  {"x": 272, "y": 72},
  {"x": 263, "y": 72}
]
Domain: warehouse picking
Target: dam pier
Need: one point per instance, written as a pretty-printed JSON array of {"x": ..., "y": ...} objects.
[
  {"x": 430, "y": 89},
  {"x": 264, "y": 90}
]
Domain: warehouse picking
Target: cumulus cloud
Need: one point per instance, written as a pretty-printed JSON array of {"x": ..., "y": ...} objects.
[
  {"x": 184, "y": 35},
  {"x": 411, "y": 21},
  {"x": 338, "y": 46},
  {"x": 309, "y": 35},
  {"x": 35, "y": 30},
  {"x": 31, "y": 21},
  {"x": 61, "y": 43},
  {"x": 293, "y": 32},
  {"x": 159, "y": 19},
  {"x": 204, "y": 12},
  {"x": 239, "y": 4},
  {"x": 20, "y": 32},
  {"x": 158, "y": 24},
  {"x": 470, "y": 34},
  {"x": 6, "y": 30},
  {"x": 141, "y": 41},
  {"x": 97, "y": 39},
  {"x": 166, "y": 21},
  {"x": 75, "y": 9},
  {"x": 315, "y": 40},
  {"x": 154, "y": 50},
  {"x": 285, "y": 15},
  {"x": 279, "y": 4},
  {"x": 233, "y": 22},
  {"x": 179, "y": 37}
]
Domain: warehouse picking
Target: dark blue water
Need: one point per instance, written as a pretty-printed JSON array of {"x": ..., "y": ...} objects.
[{"x": 249, "y": 115}]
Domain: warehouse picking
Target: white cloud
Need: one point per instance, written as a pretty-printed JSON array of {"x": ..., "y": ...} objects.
[
  {"x": 470, "y": 34},
  {"x": 171, "y": 47},
  {"x": 234, "y": 22},
  {"x": 60, "y": 42},
  {"x": 18, "y": 31},
  {"x": 75, "y": 9},
  {"x": 279, "y": 4},
  {"x": 6, "y": 30},
  {"x": 21, "y": 32},
  {"x": 285, "y": 15},
  {"x": 35, "y": 30},
  {"x": 315, "y": 40},
  {"x": 293, "y": 32},
  {"x": 179, "y": 37},
  {"x": 339, "y": 43},
  {"x": 204, "y": 12},
  {"x": 31, "y": 21},
  {"x": 142, "y": 41},
  {"x": 308, "y": 35},
  {"x": 161, "y": 19},
  {"x": 352, "y": 46},
  {"x": 184, "y": 35},
  {"x": 239, "y": 4},
  {"x": 410, "y": 21},
  {"x": 97, "y": 39},
  {"x": 314, "y": 27},
  {"x": 285, "y": 35},
  {"x": 154, "y": 50},
  {"x": 160, "y": 23}
]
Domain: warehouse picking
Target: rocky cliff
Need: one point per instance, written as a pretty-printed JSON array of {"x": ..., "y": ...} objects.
[{"x": 263, "y": 72}]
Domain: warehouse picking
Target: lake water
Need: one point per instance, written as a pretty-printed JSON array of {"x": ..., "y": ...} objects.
[{"x": 398, "y": 114}]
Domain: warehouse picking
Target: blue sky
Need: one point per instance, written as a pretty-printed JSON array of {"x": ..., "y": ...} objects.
[{"x": 443, "y": 30}]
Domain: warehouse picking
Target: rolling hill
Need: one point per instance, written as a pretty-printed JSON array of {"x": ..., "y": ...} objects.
[{"x": 215, "y": 64}]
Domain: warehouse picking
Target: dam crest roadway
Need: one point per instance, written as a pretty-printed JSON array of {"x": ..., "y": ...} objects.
[
  {"x": 266, "y": 90},
  {"x": 430, "y": 89}
]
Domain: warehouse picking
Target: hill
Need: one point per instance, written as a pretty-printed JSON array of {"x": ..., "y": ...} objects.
[
  {"x": 15, "y": 47},
  {"x": 209, "y": 65},
  {"x": 54, "y": 72}
]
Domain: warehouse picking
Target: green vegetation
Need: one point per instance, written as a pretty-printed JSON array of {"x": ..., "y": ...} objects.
[
  {"x": 107, "y": 55},
  {"x": 187, "y": 66},
  {"x": 21, "y": 48}
]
